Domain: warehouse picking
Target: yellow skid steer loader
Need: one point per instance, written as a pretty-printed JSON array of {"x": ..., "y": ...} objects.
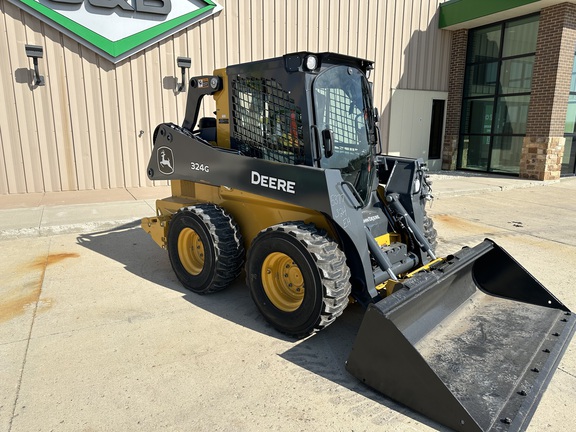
[{"x": 287, "y": 181}]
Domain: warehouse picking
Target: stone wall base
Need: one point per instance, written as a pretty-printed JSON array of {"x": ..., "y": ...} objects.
[
  {"x": 542, "y": 158},
  {"x": 449, "y": 152}
]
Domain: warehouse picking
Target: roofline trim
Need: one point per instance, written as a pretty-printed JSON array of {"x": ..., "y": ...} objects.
[{"x": 458, "y": 14}]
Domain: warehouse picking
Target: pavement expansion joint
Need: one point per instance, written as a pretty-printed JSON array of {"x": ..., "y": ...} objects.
[{"x": 22, "y": 369}]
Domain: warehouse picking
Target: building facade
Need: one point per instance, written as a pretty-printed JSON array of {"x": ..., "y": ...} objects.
[
  {"x": 90, "y": 125},
  {"x": 485, "y": 88},
  {"x": 512, "y": 105}
]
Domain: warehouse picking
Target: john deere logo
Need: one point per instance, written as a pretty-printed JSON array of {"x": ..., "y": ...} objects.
[
  {"x": 119, "y": 28},
  {"x": 165, "y": 160}
]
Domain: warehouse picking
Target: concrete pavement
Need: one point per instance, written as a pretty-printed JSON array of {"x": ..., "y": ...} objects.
[
  {"x": 63, "y": 212},
  {"x": 96, "y": 333}
]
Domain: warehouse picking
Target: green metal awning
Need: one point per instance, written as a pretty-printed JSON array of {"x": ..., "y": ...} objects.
[{"x": 461, "y": 14}]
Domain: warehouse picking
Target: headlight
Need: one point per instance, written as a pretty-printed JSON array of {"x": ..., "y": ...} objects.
[
  {"x": 417, "y": 185},
  {"x": 311, "y": 62}
]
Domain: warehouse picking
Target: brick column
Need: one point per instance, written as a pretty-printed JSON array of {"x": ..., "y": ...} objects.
[
  {"x": 458, "y": 48},
  {"x": 543, "y": 145}
]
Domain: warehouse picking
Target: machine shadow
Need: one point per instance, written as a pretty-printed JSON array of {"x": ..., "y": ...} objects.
[
  {"x": 137, "y": 252},
  {"x": 323, "y": 354}
]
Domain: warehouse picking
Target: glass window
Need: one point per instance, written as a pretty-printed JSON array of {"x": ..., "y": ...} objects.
[
  {"x": 520, "y": 37},
  {"x": 511, "y": 115},
  {"x": 342, "y": 106},
  {"x": 474, "y": 152},
  {"x": 506, "y": 152},
  {"x": 569, "y": 158},
  {"x": 485, "y": 44},
  {"x": 482, "y": 79},
  {"x": 573, "y": 80},
  {"x": 571, "y": 115},
  {"x": 497, "y": 88},
  {"x": 516, "y": 75},
  {"x": 478, "y": 116}
]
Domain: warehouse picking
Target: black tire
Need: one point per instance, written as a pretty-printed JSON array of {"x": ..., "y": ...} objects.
[
  {"x": 430, "y": 232},
  {"x": 205, "y": 248},
  {"x": 297, "y": 277}
]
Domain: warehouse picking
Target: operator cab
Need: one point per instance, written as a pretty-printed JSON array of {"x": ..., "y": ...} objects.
[{"x": 307, "y": 109}]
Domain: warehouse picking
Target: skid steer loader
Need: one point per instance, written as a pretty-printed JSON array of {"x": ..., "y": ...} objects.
[{"x": 287, "y": 182}]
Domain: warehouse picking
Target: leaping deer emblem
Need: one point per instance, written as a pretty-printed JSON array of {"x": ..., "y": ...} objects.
[{"x": 164, "y": 161}]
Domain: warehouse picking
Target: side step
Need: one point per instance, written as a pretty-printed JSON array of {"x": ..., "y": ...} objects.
[{"x": 471, "y": 344}]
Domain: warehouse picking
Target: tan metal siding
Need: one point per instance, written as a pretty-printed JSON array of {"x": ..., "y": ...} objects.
[
  {"x": 90, "y": 126},
  {"x": 67, "y": 109},
  {"x": 12, "y": 163}
]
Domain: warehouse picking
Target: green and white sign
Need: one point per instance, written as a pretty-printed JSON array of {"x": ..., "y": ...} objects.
[{"x": 117, "y": 29}]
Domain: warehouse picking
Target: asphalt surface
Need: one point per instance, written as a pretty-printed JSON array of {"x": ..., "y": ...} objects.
[{"x": 96, "y": 333}]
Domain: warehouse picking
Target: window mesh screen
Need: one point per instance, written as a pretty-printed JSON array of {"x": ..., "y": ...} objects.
[
  {"x": 267, "y": 123},
  {"x": 344, "y": 119}
]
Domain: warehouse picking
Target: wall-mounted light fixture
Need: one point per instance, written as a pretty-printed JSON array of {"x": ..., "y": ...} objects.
[
  {"x": 183, "y": 63},
  {"x": 35, "y": 52}
]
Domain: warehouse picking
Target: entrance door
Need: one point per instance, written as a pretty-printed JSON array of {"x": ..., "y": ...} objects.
[{"x": 436, "y": 129}]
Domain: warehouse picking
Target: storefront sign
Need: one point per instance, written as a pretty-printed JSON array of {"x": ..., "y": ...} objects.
[{"x": 117, "y": 29}]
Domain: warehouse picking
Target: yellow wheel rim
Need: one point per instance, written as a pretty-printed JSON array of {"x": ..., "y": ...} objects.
[
  {"x": 191, "y": 251},
  {"x": 283, "y": 282}
]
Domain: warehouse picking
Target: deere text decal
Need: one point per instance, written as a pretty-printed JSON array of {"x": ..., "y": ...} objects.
[{"x": 117, "y": 29}]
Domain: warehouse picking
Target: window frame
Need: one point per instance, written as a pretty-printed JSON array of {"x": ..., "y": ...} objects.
[{"x": 473, "y": 69}]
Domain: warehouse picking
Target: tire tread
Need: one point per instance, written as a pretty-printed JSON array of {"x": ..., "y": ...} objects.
[
  {"x": 227, "y": 241},
  {"x": 331, "y": 263}
]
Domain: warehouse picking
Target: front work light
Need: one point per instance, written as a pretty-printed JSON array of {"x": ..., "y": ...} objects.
[{"x": 311, "y": 62}]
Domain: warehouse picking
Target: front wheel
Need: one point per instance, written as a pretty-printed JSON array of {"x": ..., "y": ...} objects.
[{"x": 297, "y": 277}]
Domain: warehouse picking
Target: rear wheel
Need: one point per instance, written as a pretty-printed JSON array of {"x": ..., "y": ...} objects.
[
  {"x": 205, "y": 248},
  {"x": 298, "y": 278}
]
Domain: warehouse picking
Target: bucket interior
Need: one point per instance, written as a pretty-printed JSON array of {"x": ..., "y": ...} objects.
[{"x": 467, "y": 358}]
